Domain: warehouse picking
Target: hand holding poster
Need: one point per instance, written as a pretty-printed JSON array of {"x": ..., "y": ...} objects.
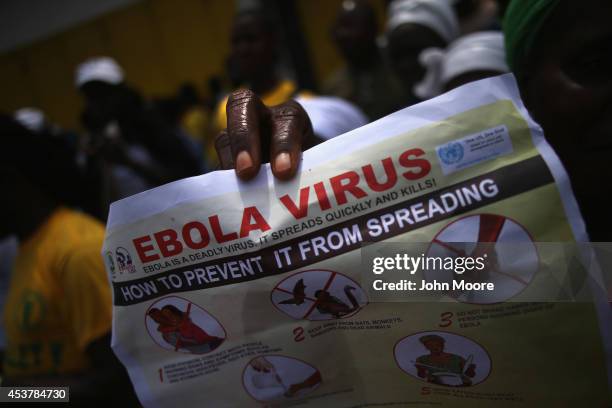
[{"x": 241, "y": 294}]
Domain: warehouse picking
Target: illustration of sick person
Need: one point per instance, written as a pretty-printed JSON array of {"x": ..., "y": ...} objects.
[
  {"x": 443, "y": 368},
  {"x": 329, "y": 304},
  {"x": 181, "y": 332}
]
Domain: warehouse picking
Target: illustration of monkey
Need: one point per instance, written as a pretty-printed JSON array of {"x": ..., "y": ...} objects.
[{"x": 329, "y": 304}]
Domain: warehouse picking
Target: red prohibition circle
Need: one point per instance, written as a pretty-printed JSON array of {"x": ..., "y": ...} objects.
[
  {"x": 315, "y": 302},
  {"x": 199, "y": 307},
  {"x": 525, "y": 230}
]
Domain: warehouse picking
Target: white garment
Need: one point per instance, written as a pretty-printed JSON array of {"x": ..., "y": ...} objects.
[
  {"x": 480, "y": 51},
  {"x": 331, "y": 116},
  {"x": 438, "y": 15}
]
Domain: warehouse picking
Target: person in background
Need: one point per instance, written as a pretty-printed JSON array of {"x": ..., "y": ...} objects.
[
  {"x": 131, "y": 147},
  {"x": 477, "y": 15},
  {"x": 36, "y": 122},
  {"x": 560, "y": 54},
  {"x": 469, "y": 58},
  {"x": 57, "y": 313},
  {"x": 189, "y": 117},
  {"x": 472, "y": 57},
  {"x": 254, "y": 56},
  {"x": 365, "y": 79},
  {"x": 254, "y": 53},
  {"x": 414, "y": 26}
]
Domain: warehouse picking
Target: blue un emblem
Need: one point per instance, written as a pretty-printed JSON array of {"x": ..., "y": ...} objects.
[{"x": 451, "y": 153}]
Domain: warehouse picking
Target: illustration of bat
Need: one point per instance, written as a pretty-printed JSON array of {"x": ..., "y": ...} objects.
[{"x": 299, "y": 294}]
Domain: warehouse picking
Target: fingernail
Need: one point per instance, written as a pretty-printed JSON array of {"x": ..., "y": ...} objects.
[
  {"x": 244, "y": 162},
  {"x": 282, "y": 162}
]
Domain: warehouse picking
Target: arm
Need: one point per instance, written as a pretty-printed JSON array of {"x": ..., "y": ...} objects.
[{"x": 421, "y": 371}]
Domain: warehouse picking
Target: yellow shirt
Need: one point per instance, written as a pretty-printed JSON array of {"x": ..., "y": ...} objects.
[{"x": 59, "y": 299}]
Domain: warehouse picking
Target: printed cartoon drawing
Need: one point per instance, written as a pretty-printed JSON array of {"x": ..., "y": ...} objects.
[
  {"x": 299, "y": 294},
  {"x": 270, "y": 378},
  {"x": 509, "y": 254},
  {"x": 440, "y": 367},
  {"x": 318, "y": 295},
  {"x": 181, "y": 332},
  {"x": 329, "y": 304}
]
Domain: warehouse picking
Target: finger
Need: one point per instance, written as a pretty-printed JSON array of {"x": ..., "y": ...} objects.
[
  {"x": 245, "y": 113},
  {"x": 290, "y": 127},
  {"x": 224, "y": 150}
]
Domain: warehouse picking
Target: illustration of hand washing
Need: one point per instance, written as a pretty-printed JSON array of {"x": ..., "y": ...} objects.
[{"x": 271, "y": 378}]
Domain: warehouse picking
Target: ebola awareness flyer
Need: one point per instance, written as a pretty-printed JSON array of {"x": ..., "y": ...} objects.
[{"x": 267, "y": 293}]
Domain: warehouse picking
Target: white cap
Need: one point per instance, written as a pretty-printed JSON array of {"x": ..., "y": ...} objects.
[
  {"x": 104, "y": 69},
  {"x": 438, "y": 15},
  {"x": 481, "y": 51},
  {"x": 31, "y": 118},
  {"x": 331, "y": 116}
]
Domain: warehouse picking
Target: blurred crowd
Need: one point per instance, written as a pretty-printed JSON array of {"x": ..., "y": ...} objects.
[
  {"x": 128, "y": 144},
  {"x": 53, "y": 288}
]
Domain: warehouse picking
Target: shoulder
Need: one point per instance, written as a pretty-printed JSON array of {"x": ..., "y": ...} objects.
[
  {"x": 79, "y": 228},
  {"x": 65, "y": 230},
  {"x": 77, "y": 239}
]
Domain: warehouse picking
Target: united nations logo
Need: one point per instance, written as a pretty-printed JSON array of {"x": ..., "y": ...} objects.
[
  {"x": 451, "y": 153},
  {"x": 124, "y": 259}
]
